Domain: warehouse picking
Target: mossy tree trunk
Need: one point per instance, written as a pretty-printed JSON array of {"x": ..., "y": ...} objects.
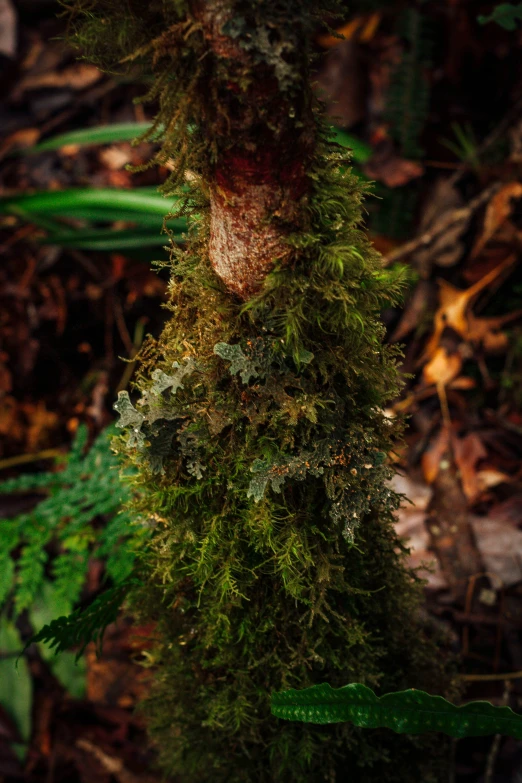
[{"x": 259, "y": 434}]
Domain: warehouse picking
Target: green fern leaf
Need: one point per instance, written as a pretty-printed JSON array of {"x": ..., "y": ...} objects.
[
  {"x": 65, "y": 524},
  {"x": 84, "y": 625},
  {"x": 506, "y": 15},
  {"x": 406, "y": 712}
]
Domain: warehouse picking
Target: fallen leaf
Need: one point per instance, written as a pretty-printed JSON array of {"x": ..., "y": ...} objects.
[
  {"x": 41, "y": 421},
  {"x": 453, "y": 309},
  {"x": 19, "y": 140},
  {"x": 500, "y": 545},
  {"x": 415, "y": 308},
  {"x": 417, "y": 492},
  {"x": 468, "y": 451},
  {"x": 347, "y": 31},
  {"x": 388, "y": 167},
  {"x": 116, "y": 157},
  {"x": 498, "y": 210},
  {"x": 411, "y": 525},
  {"x": 486, "y": 331},
  {"x": 433, "y": 455},
  {"x": 489, "y": 477},
  {"x": 442, "y": 368}
]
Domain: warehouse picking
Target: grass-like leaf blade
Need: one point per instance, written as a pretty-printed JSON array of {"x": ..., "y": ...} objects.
[
  {"x": 146, "y": 200},
  {"x": 100, "y": 134},
  {"x": 131, "y": 131},
  {"x": 405, "y": 712}
]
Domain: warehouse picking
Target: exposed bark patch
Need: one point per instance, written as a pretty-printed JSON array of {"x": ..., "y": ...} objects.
[
  {"x": 255, "y": 200},
  {"x": 262, "y": 138}
]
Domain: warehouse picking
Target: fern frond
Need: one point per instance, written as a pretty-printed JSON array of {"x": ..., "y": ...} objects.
[
  {"x": 86, "y": 490},
  {"x": 405, "y": 712},
  {"x": 84, "y": 625}
]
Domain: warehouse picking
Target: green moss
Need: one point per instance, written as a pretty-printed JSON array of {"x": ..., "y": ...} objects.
[
  {"x": 263, "y": 575},
  {"x": 260, "y": 442}
]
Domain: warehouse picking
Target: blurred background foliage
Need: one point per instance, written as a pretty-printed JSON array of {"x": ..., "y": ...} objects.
[{"x": 428, "y": 96}]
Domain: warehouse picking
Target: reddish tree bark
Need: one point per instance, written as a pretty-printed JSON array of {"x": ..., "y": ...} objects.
[{"x": 259, "y": 179}]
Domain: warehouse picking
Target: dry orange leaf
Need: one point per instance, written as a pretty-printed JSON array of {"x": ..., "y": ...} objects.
[
  {"x": 431, "y": 459},
  {"x": 442, "y": 368},
  {"x": 366, "y": 25},
  {"x": 497, "y": 211},
  {"x": 453, "y": 307}
]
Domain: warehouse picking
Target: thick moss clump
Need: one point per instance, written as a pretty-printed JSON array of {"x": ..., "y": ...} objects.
[
  {"x": 261, "y": 444},
  {"x": 258, "y": 428}
]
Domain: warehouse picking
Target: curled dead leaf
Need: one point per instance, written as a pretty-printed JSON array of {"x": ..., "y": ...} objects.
[
  {"x": 433, "y": 455},
  {"x": 452, "y": 312},
  {"x": 468, "y": 451},
  {"x": 498, "y": 210},
  {"x": 442, "y": 368}
]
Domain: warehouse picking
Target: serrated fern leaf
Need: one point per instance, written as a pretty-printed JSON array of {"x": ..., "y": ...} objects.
[
  {"x": 84, "y": 625},
  {"x": 30, "y": 574},
  {"x": 65, "y": 525},
  {"x": 406, "y": 712}
]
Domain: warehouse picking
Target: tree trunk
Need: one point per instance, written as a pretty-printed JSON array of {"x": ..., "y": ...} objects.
[
  {"x": 259, "y": 441},
  {"x": 260, "y": 177}
]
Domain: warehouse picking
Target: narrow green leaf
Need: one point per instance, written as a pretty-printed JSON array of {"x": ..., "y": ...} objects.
[
  {"x": 130, "y": 131},
  {"x": 361, "y": 151},
  {"x": 109, "y": 215},
  {"x": 62, "y": 201},
  {"x": 16, "y": 690},
  {"x": 109, "y": 240},
  {"x": 101, "y": 134},
  {"x": 406, "y": 712}
]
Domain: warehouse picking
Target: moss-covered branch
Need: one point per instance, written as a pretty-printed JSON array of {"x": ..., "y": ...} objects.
[{"x": 258, "y": 430}]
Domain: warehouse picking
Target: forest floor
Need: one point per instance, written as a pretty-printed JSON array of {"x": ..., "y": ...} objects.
[{"x": 432, "y": 102}]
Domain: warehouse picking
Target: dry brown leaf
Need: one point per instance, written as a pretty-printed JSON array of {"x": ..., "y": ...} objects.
[
  {"x": 498, "y": 210},
  {"x": 348, "y": 31},
  {"x": 462, "y": 383},
  {"x": 487, "y": 331},
  {"x": 490, "y": 477},
  {"x": 453, "y": 309},
  {"x": 442, "y": 368},
  {"x": 116, "y": 157},
  {"x": 468, "y": 451},
  {"x": 500, "y": 545},
  {"x": 387, "y": 167},
  {"x": 20, "y": 139},
  {"x": 370, "y": 28},
  {"x": 415, "y": 308},
  {"x": 431, "y": 459}
]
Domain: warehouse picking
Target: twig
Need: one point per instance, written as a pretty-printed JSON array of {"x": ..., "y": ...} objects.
[
  {"x": 491, "y": 677},
  {"x": 495, "y": 745},
  {"x": 21, "y": 459},
  {"x": 444, "y": 224}
]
